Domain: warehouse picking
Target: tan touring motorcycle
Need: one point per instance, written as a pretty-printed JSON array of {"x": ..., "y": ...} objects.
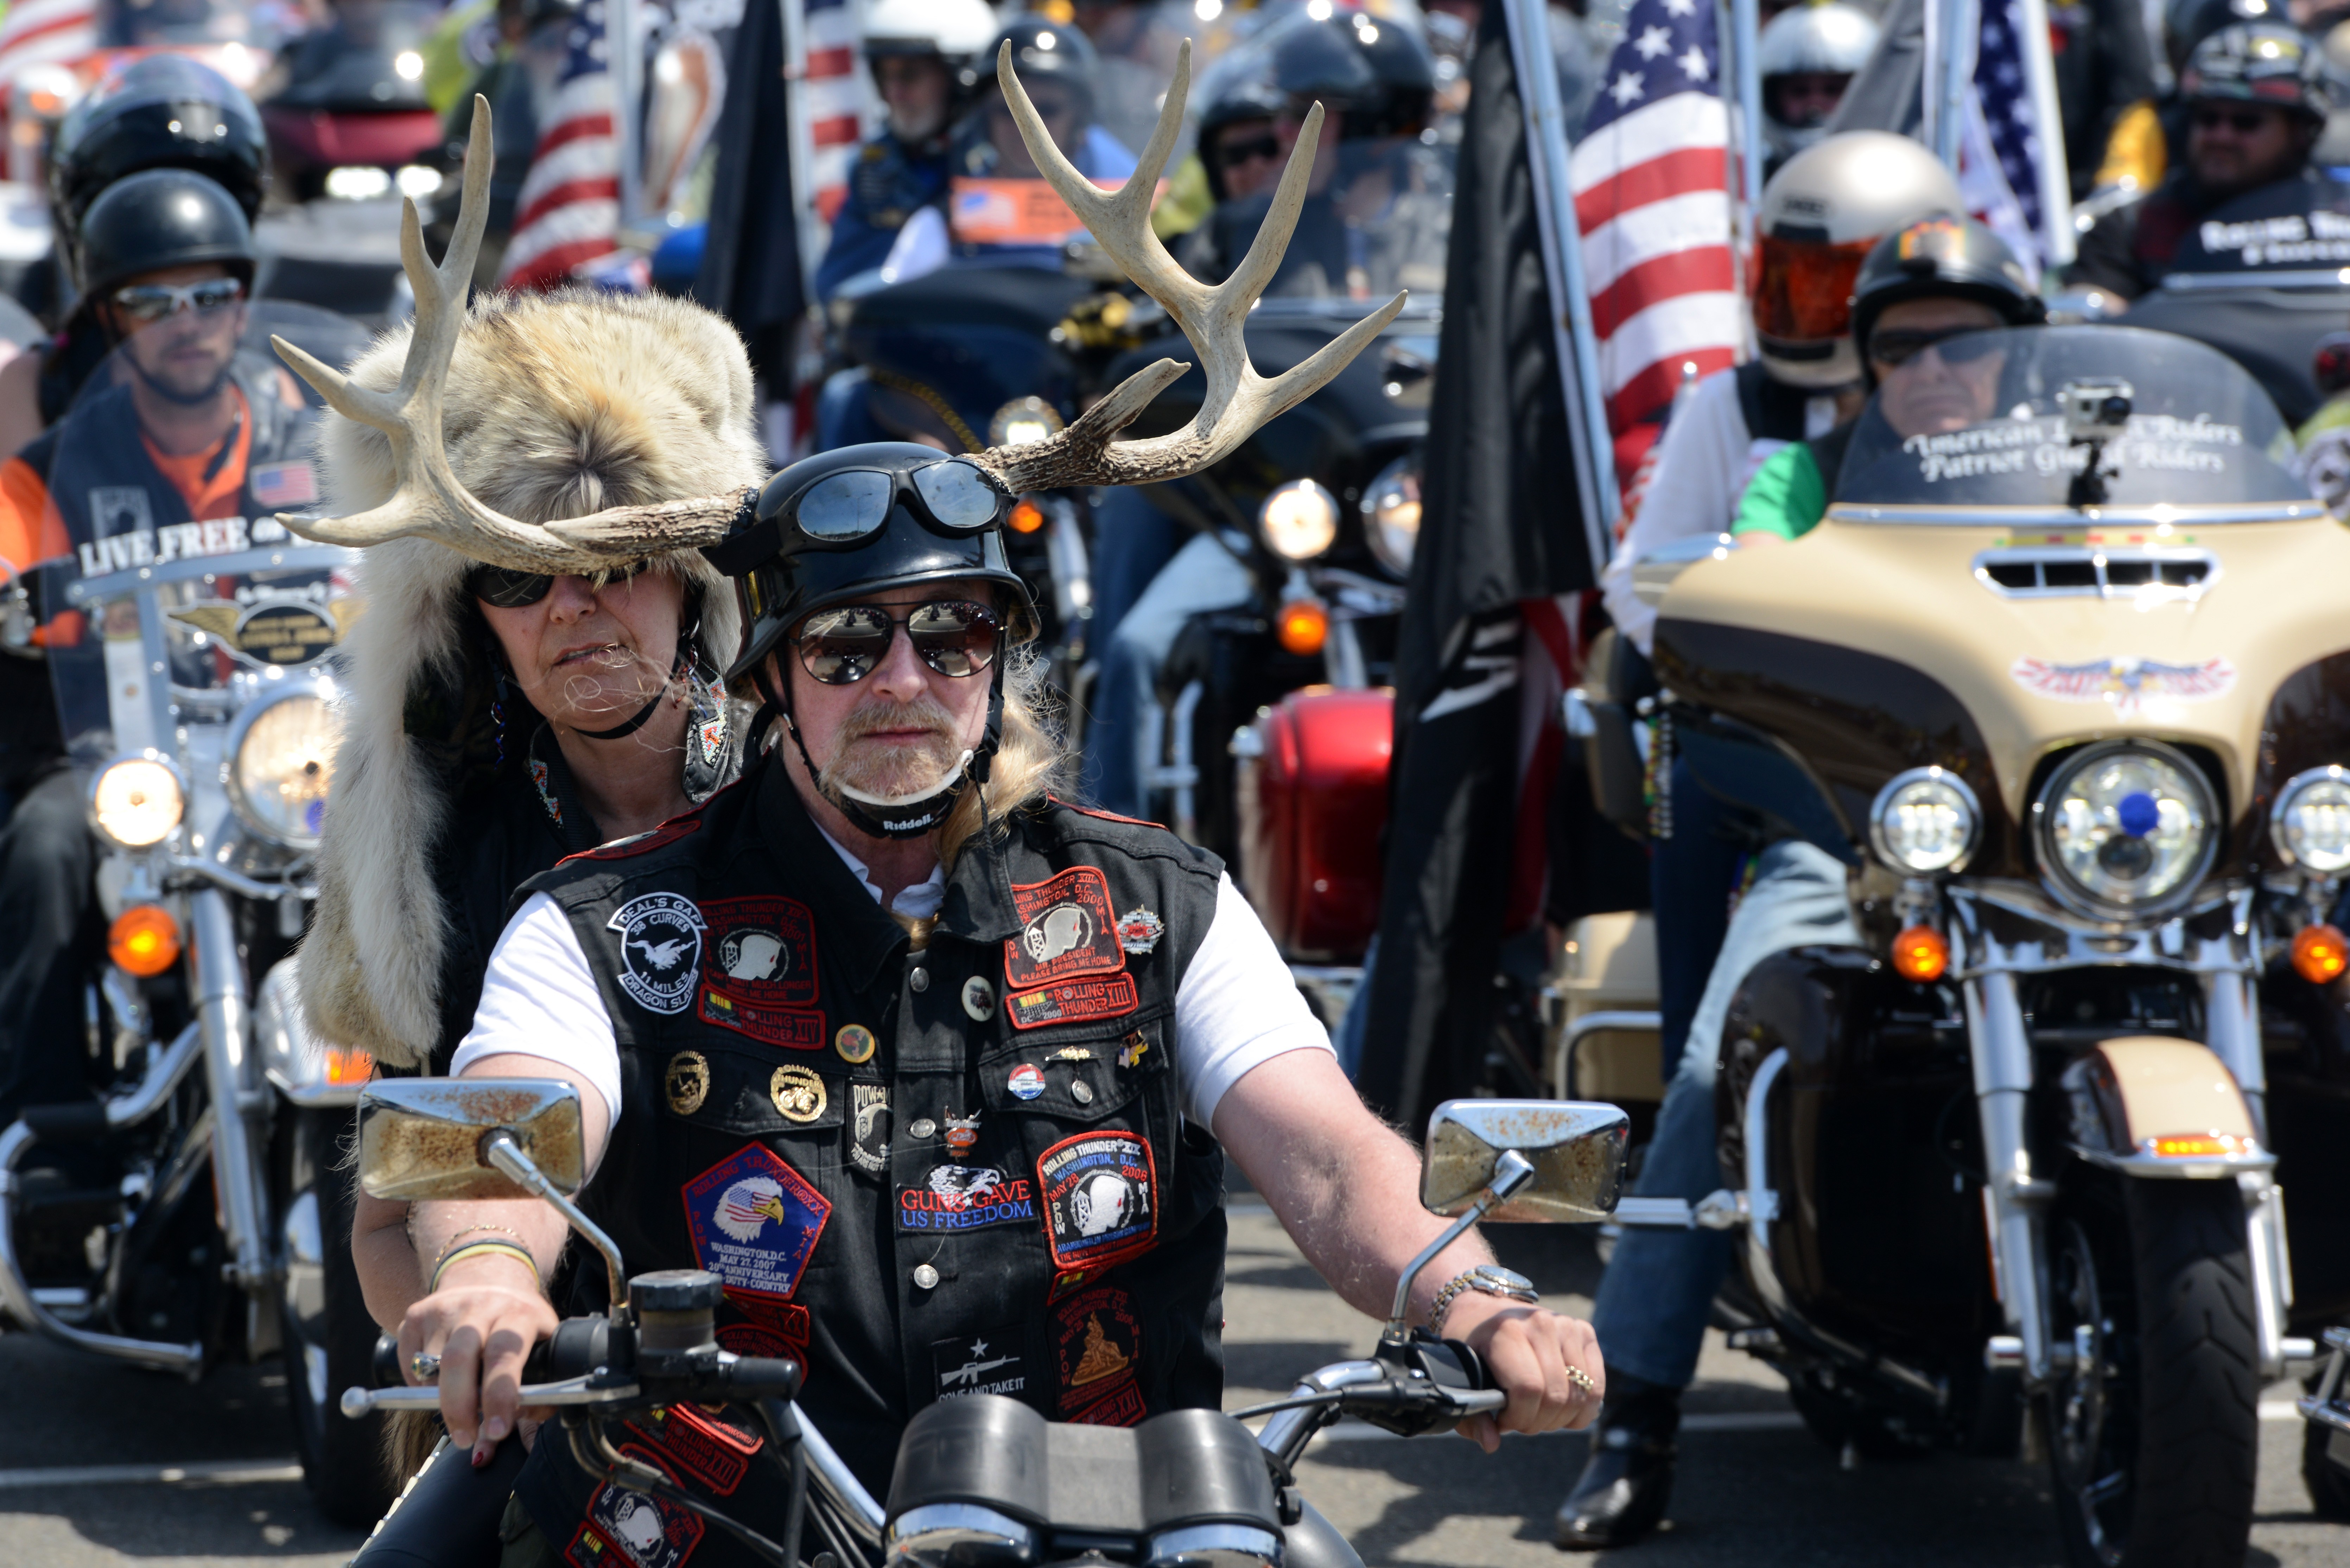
[{"x": 2069, "y": 692}]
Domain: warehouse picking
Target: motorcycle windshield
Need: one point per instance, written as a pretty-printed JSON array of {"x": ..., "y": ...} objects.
[
  {"x": 193, "y": 23},
  {"x": 177, "y": 612},
  {"x": 2017, "y": 419}
]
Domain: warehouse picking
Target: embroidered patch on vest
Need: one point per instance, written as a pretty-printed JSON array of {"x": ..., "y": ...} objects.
[
  {"x": 702, "y": 1448},
  {"x": 1101, "y": 1199},
  {"x": 762, "y": 949},
  {"x": 1097, "y": 1350},
  {"x": 755, "y": 1222},
  {"x": 995, "y": 1362},
  {"x": 1073, "y": 1002},
  {"x": 868, "y": 1127},
  {"x": 661, "y": 948},
  {"x": 1066, "y": 930},
  {"x": 1138, "y": 930},
  {"x": 966, "y": 1198},
  {"x": 649, "y": 1531},
  {"x": 669, "y": 831},
  {"x": 771, "y": 1330},
  {"x": 787, "y": 1027}
]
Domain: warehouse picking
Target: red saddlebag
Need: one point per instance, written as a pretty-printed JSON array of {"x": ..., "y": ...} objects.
[{"x": 1312, "y": 801}]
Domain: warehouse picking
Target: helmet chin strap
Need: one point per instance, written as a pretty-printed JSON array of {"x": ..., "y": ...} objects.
[{"x": 899, "y": 816}]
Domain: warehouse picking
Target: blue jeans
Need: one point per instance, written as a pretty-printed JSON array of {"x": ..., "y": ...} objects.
[
  {"x": 1657, "y": 1292},
  {"x": 1691, "y": 877},
  {"x": 1204, "y": 576}
]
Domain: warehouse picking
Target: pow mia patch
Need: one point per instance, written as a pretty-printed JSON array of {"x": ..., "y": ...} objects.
[
  {"x": 661, "y": 949},
  {"x": 1066, "y": 930},
  {"x": 966, "y": 1198},
  {"x": 1073, "y": 1002},
  {"x": 649, "y": 1531},
  {"x": 1101, "y": 1199},
  {"x": 754, "y": 1222},
  {"x": 1098, "y": 1354},
  {"x": 995, "y": 1362},
  {"x": 762, "y": 949},
  {"x": 869, "y": 1127}
]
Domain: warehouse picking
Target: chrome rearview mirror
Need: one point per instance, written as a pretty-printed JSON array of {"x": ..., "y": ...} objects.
[
  {"x": 1576, "y": 1149},
  {"x": 424, "y": 1139}
]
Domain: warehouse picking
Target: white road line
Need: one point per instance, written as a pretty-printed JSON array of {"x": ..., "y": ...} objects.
[
  {"x": 1722, "y": 1421},
  {"x": 219, "y": 1473}
]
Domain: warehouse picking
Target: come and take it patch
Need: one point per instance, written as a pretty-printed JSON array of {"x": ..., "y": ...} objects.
[
  {"x": 760, "y": 978},
  {"x": 661, "y": 949},
  {"x": 990, "y": 1363},
  {"x": 1101, "y": 1199},
  {"x": 1097, "y": 1357},
  {"x": 755, "y": 1222}
]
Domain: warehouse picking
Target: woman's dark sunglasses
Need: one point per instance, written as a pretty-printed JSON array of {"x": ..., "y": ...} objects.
[
  {"x": 1232, "y": 154},
  {"x": 954, "y": 636},
  {"x": 1956, "y": 345},
  {"x": 842, "y": 508},
  {"x": 510, "y": 590}
]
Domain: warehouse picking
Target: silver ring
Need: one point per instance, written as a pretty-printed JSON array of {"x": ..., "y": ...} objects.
[{"x": 427, "y": 1366}]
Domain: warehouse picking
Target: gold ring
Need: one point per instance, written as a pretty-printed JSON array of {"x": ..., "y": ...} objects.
[
  {"x": 427, "y": 1366},
  {"x": 1582, "y": 1380}
]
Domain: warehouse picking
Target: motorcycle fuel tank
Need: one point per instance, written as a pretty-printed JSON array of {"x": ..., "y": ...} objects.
[{"x": 1313, "y": 792}]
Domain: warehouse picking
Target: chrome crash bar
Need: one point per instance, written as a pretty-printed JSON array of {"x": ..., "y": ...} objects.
[{"x": 162, "y": 1077}]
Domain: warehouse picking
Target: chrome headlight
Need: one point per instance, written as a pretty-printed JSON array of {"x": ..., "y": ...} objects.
[
  {"x": 1926, "y": 820},
  {"x": 137, "y": 801},
  {"x": 1298, "y": 521},
  {"x": 1023, "y": 422},
  {"x": 2311, "y": 821},
  {"x": 2125, "y": 829},
  {"x": 281, "y": 762},
  {"x": 954, "y": 1535},
  {"x": 1391, "y": 514}
]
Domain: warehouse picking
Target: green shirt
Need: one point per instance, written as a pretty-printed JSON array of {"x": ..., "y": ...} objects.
[{"x": 1787, "y": 496}]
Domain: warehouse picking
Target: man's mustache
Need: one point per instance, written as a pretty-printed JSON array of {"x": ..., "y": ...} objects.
[{"x": 924, "y": 712}]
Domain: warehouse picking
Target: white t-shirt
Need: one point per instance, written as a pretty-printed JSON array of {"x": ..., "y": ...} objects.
[
  {"x": 1238, "y": 1006},
  {"x": 1704, "y": 462}
]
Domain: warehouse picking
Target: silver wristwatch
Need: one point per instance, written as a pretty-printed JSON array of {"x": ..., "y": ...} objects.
[{"x": 1487, "y": 1279}]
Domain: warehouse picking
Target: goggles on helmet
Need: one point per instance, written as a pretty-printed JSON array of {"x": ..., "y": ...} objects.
[
  {"x": 1803, "y": 288},
  {"x": 845, "y": 507}
]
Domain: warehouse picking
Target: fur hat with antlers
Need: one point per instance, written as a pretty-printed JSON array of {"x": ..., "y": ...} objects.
[{"x": 555, "y": 405}]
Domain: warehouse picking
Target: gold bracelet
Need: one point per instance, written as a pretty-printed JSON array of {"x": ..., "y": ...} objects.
[{"x": 472, "y": 1249}]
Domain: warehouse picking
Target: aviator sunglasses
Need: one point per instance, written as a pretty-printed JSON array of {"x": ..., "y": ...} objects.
[
  {"x": 150, "y": 302},
  {"x": 954, "y": 636},
  {"x": 1900, "y": 346},
  {"x": 842, "y": 508}
]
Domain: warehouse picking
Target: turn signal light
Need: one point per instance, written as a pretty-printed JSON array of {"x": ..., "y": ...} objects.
[
  {"x": 2190, "y": 1145},
  {"x": 1026, "y": 517},
  {"x": 1921, "y": 953},
  {"x": 345, "y": 1067},
  {"x": 1303, "y": 625},
  {"x": 2319, "y": 954},
  {"x": 144, "y": 941}
]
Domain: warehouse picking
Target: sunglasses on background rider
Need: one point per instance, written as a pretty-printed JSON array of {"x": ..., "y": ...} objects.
[
  {"x": 1898, "y": 346},
  {"x": 842, "y": 508},
  {"x": 2243, "y": 121},
  {"x": 954, "y": 636},
  {"x": 1232, "y": 154},
  {"x": 147, "y": 303},
  {"x": 510, "y": 590}
]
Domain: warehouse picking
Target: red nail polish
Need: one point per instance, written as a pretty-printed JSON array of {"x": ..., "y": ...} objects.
[{"x": 482, "y": 1454}]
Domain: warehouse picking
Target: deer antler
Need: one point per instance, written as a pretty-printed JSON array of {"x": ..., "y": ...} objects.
[
  {"x": 429, "y": 502},
  {"x": 1237, "y": 399}
]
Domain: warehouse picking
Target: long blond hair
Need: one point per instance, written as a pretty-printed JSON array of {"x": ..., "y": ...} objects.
[{"x": 1030, "y": 759}]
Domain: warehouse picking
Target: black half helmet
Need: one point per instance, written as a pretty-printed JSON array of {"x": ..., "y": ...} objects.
[
  {"x": 1947, "y": 258},
  {"x": 157, "y": 219},
  {"x": 841, "y": 525},
  {"x": 161, "y": 111}
]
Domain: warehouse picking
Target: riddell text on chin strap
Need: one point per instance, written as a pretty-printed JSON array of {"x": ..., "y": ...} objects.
[{"x": 904, "y": 819}]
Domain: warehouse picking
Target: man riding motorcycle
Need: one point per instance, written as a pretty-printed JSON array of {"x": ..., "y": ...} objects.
[
  {"x": 1013, "y": 1032},
  {"x": 166, "y": 260},
  {"x": 1925, "y": 283},
  {"x": 1806, "y": 380},
  {"x": 1806, "y": 58},
  {"x": 922, "y": 54},
  {"x": 2257, "y": 101},
  {"x": 163, "y": 111}
]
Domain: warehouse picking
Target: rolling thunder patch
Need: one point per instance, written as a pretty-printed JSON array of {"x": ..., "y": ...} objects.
[
  {"x": 1101, "y": 1199},
  {"x": 1097, "y": 1354},
  {"x": 754, "y": 1222},
  {"x": 1066, "y": 930}
]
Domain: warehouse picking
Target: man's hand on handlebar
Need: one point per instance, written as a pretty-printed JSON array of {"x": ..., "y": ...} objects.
[
  {"x": 481, "y": 1323},
  {"x": 1527, "y": 1352}
]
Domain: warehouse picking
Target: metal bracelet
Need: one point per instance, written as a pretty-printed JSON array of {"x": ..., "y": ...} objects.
[{"x": 1451, "y": 1292}]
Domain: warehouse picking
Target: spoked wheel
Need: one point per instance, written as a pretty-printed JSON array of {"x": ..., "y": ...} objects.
[
  {"x": 2153, "y": 1423},
  {"x": 329, "y": 1343}
]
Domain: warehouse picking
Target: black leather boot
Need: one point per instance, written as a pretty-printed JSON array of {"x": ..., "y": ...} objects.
[{"x": 1621, "y": 1495}]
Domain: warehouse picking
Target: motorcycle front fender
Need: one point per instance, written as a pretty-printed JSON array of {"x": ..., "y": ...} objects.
[{"x": 2155, "y": 1106}]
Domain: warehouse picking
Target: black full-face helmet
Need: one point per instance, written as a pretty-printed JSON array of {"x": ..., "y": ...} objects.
[{"x": 843, "y": 525}]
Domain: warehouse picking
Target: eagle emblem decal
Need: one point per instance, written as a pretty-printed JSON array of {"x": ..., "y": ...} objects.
[{"x": 2125, "y": 683}]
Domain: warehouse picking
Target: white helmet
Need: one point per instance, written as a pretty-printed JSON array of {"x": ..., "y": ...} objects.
[
  {"x": 1819, "y": 218},
  {"x": 1826, "y": 39},
  {"x": 959, "y": 31}
]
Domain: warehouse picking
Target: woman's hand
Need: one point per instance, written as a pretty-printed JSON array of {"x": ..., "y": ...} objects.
[
  {"x": 1527, "y": 1353},
  {"x": 481, "y": 1323}
]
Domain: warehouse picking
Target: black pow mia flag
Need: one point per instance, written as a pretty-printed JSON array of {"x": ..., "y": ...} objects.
[
  {"x": 1503, "y": 524},
  {"x": 750, "y": 271}
]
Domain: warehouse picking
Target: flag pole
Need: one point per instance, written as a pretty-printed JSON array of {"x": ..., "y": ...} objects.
[
  {"x": 800, "y": 143},
  {"x": 1571, "y": 334},
  {"x": 1746, "y": 33},
  {"x": 2055, "y": 177},
  {"x": 1955, "y": 32},
  {"x": 624, "y": 58}
]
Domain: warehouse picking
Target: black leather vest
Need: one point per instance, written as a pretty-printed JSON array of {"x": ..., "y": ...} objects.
[{"x": 926, "y": 1174}]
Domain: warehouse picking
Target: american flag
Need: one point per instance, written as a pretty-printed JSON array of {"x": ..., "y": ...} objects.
[
  {"x": 833, "y": 98},
  {"x": 1651, "y": 196},
  {"x": 569, "y": 209},
  {"x": 46, "y": 32},
  {"x": 2006, "y": 142}
]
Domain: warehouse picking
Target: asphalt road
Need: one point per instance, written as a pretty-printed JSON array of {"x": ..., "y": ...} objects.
[{"x": 1755, "y": 1490}]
